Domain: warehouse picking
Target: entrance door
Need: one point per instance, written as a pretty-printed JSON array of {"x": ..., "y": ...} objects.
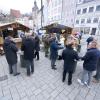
[{"x": 93, "y": 31}]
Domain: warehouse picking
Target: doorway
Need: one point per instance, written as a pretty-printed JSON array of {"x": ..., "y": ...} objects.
[{"x": 93, "y": 31}]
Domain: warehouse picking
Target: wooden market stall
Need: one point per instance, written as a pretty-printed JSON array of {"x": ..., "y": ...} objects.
[
  {"x": 58, "y": 28},
  {"x": 54, "y": 28},
  {"x": 12, "y": 30}
]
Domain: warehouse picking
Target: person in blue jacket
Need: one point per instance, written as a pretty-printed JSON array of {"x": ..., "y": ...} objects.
[
  {"x": 54, "y": 47},
  {"x": 90, "y": 62}
]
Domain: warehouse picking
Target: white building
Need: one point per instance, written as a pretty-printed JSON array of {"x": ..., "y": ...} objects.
[
  {"x": 45, "y": 12},
  {"x": 61, "y": 11},
  {"x": 87, "y": 16},
  {"x": 54, "y": 11},
  {"x": 68, "y": 12},
  {"x": 35, "y": 11}
]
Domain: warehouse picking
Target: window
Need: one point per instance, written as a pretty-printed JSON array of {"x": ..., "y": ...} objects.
[
  {"x": 77, "y": 21},
  {"x": 98, "y": 8},
  {"x": 89, "y": 20},
  {"x": 82, "y": 21},
  {"x": 84, "y": 10},
  {"x": 95, "y": 20},
  {"x": 91, "y": 9},
  {"x": 93, "y": 31},
  {"x": 78, "y": 11}
]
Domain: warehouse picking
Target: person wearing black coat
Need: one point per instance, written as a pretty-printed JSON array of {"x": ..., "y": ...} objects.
[
  {"x": 37, "y": 47},
  {"x": 90, "y": 63},
  {"x": 10, "y": 50},
  {"x": 69, "y": 56},
  {"x": 28, "y": 47}
]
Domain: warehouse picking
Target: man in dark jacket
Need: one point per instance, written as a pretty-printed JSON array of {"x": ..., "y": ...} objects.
[
  {"x": 54, "y": 47},
  {"x": 10, "y": 50},
  {"x": 90, "y": 63},
  {"x": 69, "y": 56},
  {"x": 37, "y": 47},
  {"x": 28, "y": 47}
]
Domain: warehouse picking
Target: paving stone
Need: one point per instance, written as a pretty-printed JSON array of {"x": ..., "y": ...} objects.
[
  {"x": 89, "y": 97},
  {"x": 26, "y": 98},
  {"x": 40, "y": 97},
  {"x": 46, "y": 94},
  {"x": 54, "y": 93},
  {"x": 63, "y": 97},
  {"x": 78, "y": 97},
  {"x": 58, "y": 98},
  {"x": 36, "y": 92},
  {"x": 73, "y": 94}
]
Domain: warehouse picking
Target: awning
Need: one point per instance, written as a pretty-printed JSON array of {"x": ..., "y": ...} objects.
[
  {"x": 14, "y": 25},
  {"x": 57, "y": 28}
]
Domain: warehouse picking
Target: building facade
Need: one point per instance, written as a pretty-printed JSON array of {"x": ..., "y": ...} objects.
[
  {"x": 87, "y": 18},
  {"x": 54, "y": 11},
  {"x": 15, "y": 13},
  {"x": 68, "y": 12},
  {"x": 61, "y": 11},
  {"x": 35, "y": 10}
]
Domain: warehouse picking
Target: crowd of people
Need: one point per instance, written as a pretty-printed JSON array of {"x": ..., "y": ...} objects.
[{"x": 31, "y": 47}]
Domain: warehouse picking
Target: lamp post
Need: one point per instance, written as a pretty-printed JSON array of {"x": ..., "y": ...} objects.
[{"x": 41, "y": 12}]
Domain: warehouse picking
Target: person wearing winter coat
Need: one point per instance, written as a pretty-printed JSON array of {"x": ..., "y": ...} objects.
[
  {"x": 10, "y": 50},
  {"x": 46, "y": 45},
  {"x": 28, "y": 46},
  {"x": 90, "y": 63},
  {"x": 70, "y": 56},
  {"x": 37, "y": 47},
  {"x": 54, "y": 47}
]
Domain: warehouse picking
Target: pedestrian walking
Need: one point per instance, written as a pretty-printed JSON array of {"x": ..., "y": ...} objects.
[
  {"x": 89, "y": 65},
  {"x": 10, "y": 50},
  {"x": 54, "y": 47},
  {"x": 28, "y": 47},
  {"x": 37, "y": 47},
  {"x": 70, "y": 56}
]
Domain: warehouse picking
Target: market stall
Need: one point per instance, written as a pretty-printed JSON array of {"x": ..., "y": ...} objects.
[
  {"x": 12, "y": 29},
  {"x": 59, "y": 29},
  {"x": 61, "y": 32}
]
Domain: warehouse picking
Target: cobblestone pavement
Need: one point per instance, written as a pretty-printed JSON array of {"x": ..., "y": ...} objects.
[{"x": 45, "y": 83}]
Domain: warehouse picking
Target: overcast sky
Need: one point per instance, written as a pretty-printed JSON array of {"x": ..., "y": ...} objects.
[{"x": 23, "y": 5}]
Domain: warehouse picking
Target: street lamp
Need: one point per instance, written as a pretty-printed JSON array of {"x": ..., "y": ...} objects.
[{"x": 41, "y": 12}]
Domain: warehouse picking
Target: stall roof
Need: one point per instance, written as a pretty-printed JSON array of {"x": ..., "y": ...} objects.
[
  {"x": 55, "y": 25},
  {"x": 15, "y": 25},
  {"x": 56, "y": 28}
]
